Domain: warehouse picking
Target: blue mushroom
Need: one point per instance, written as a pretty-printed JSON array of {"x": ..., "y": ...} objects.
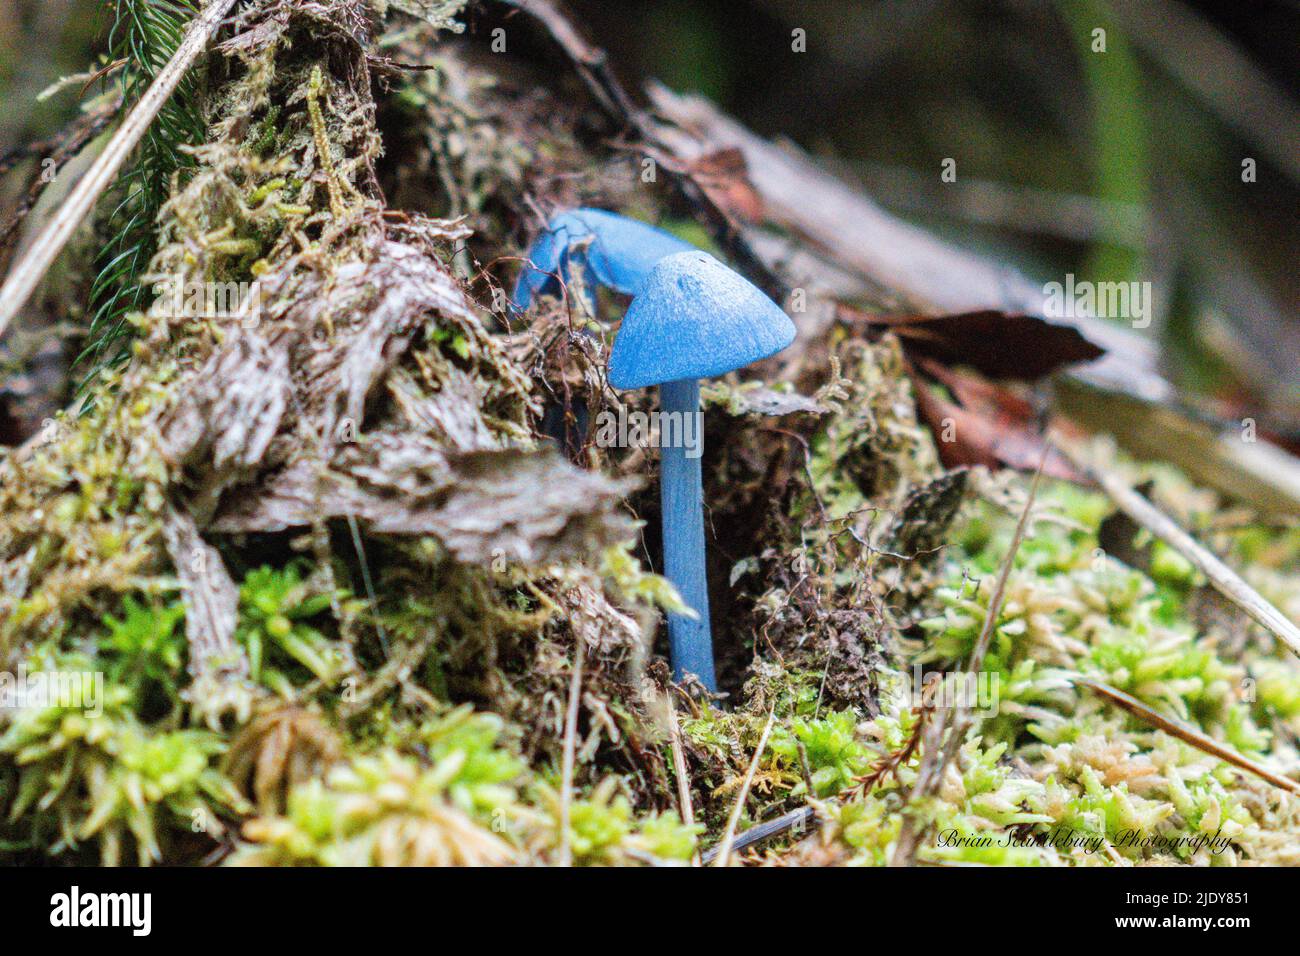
[
  {"x": 693, "y": 318},
  {"x": 610, "y": 249}
]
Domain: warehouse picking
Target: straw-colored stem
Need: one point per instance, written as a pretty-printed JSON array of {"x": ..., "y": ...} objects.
[
  {"x": 729, "y": 836},
  {"x": 1226, "y": 581},
  {"x": 570, "y": 745}
]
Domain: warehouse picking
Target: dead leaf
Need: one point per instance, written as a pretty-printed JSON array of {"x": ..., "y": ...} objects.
[
  {"x": 970, "y": 437},
  {"x": 1002, "y": 345}
]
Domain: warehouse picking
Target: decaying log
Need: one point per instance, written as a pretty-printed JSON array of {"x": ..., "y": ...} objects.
[{"x": 277, "y": 417}]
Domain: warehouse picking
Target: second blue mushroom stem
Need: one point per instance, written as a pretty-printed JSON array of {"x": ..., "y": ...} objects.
[{"x": 681, "y": 496}]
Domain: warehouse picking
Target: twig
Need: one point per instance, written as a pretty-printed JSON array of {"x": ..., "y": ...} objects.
[
  {"x": 570, "y": 740},
  {"x": 59, "y": 148},
  {"x": 729, "y": 835},
  {"x": 1226, "y": 581},
  {"x": 73, "y": 132},
  {"x": 366, "y": 581},
  {"x": 28, "y": 272},
  {"x": 1187, "y": 734},
  {"x": 940, "y": 752},
  {"x": 684, "y": 805},
  {"x": 592, "y": 66},
  {"x": 889, "y": 764}
]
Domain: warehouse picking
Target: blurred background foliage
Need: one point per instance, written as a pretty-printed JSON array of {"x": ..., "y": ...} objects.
[{"x": 1122, "y": 165}]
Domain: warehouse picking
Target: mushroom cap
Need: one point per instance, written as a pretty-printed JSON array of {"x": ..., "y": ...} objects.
[
  {"x": 620, "y": 255},
  {"x": 695, "y": 318}
]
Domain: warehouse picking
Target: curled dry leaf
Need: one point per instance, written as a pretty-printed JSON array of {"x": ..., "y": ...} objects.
[{"x": 993, "y": 432}]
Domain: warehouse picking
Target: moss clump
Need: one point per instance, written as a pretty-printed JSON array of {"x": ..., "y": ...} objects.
[
  {"x": 464, "y": 801},
  {"x": 276, "y": 606},
  {"x": 106, "y": 778}
]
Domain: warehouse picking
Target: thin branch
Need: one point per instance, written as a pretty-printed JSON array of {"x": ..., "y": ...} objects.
[
  {"x": 684, "y": 805},
  {"x": 794, "y": 820},
  {"x": 729, "y": 836},
  {"x": 60, "y": 149},
  {"x": 570, "y": 741},
  {"x": 1187, "y": 734},
  {"x": 75, "y": 132},
  {"x": 28, "y": 272},
  {"x": 1226, "y": 581}
]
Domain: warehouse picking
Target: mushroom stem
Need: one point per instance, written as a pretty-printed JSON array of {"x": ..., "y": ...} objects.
[{"x": 681, "y": 496}]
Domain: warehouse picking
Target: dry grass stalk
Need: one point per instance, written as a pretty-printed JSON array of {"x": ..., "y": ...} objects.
[
  {"x": 1226, "y": 581},
  {"x": 940, "y": 751},
  {"x": 570, "y": 743},
  {"x": 729, "y": 836},
  {"x": 684, "y": 805},
  {"x": 1188, "y": 735}
]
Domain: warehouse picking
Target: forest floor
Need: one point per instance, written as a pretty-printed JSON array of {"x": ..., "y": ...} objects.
[{"x": 351, "y": 605}]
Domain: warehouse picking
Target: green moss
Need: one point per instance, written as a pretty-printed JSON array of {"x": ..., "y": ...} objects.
[
  {"x": 145, "y": 648},
  {"x": 275, "y": 608},
  {"x": 459, "y": 796},
  {"x": 833, "y": 750},
  {"x": 107, "y": 778},
  {"x": 1096, "y": 771}
]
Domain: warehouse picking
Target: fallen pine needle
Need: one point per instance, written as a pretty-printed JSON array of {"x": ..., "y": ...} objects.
[
  {"x": 31, "y": 268},
  {"x": 570, "y": 743},
  {"x": 1187, "y": 734},
  {"x": 939, "y": 751},
  {"x": 684, "y": 806}
]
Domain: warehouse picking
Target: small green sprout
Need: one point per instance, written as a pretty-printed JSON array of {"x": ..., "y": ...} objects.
[
  {"x": 275, "y": 606},
  {"x": 144, "y": 648}
]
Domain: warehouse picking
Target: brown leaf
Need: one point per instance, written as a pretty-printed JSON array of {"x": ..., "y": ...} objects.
[
  {"x": 969, "y": 436},
  {"x": 998, "y": 344},
  {"x": 725, "y": 177}
]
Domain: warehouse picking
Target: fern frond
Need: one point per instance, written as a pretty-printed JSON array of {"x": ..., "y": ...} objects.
[{"x": 145, "y": 33}]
